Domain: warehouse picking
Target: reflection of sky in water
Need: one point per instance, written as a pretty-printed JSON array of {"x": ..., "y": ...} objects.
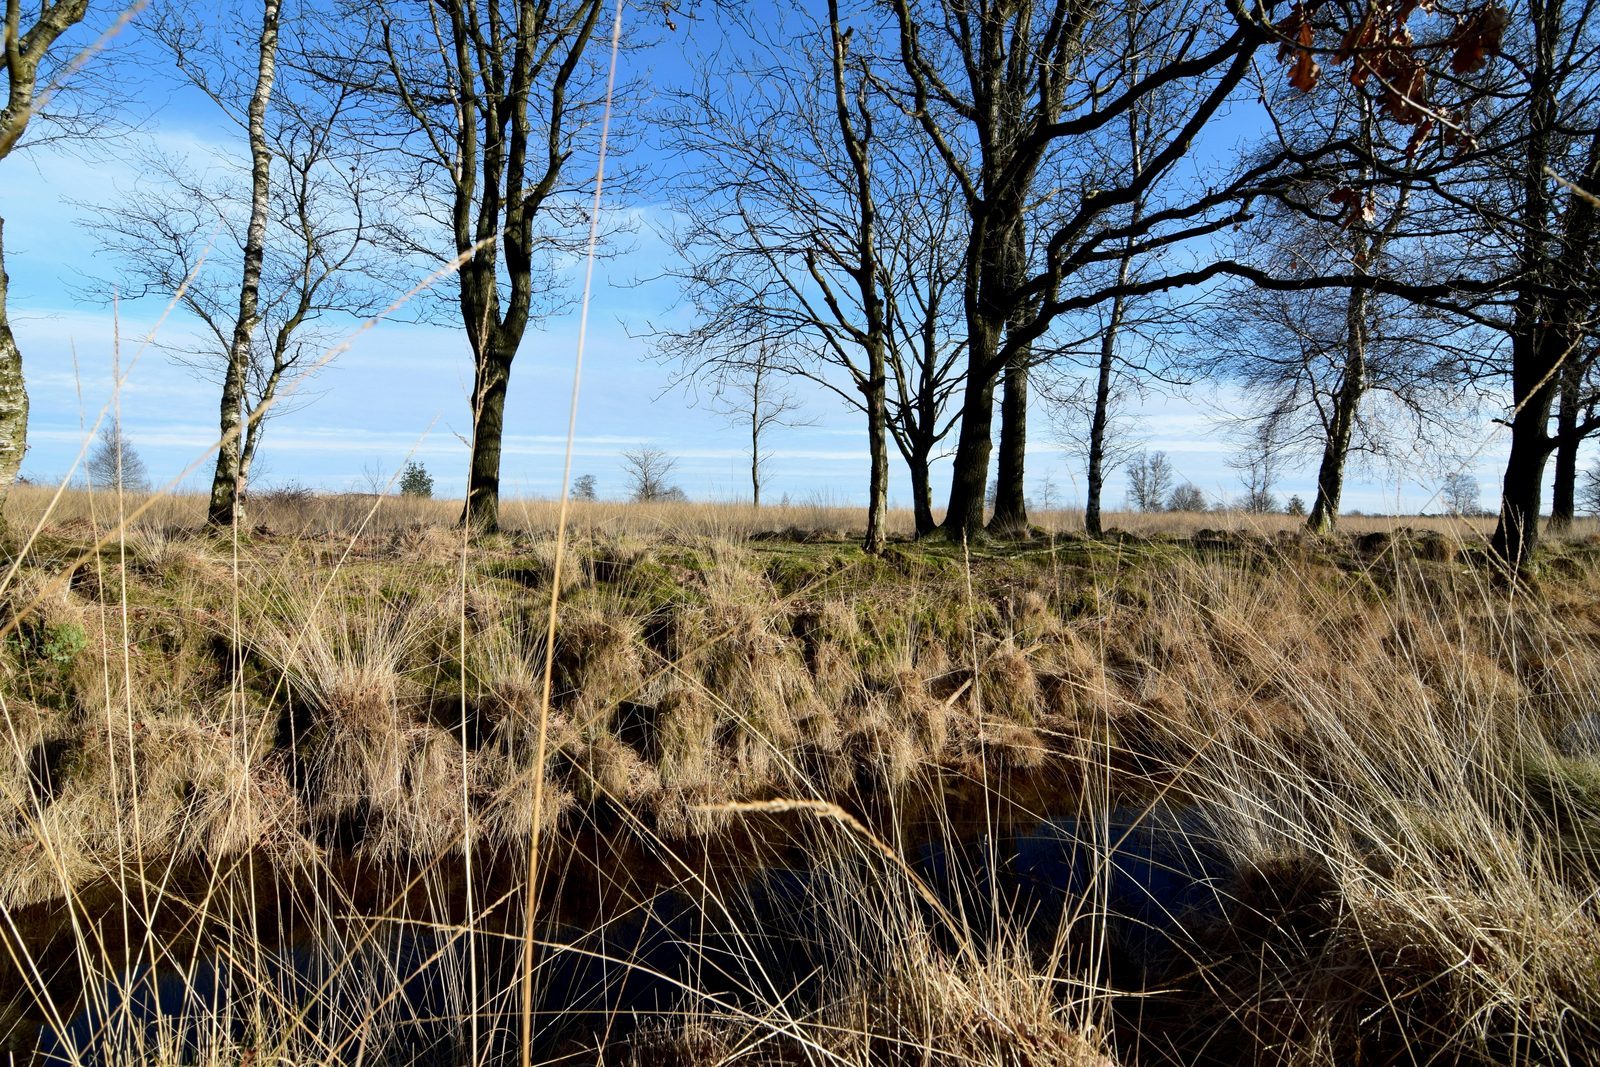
[{"x": 775, "y": 943}]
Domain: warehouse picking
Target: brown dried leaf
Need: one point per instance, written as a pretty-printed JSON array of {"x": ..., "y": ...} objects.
[
  {"x": 1295, "y": 47},
  {"x": 1353, "y": 205},
  {"x": 1305, "y": 72},
  {"x": 1478, "y": 39}
]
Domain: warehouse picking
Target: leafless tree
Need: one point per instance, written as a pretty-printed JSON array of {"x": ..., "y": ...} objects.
[
  {"x": 1259, "y": 461},
  {"x": 1589, "y": 490},
  {"x": 1187, "y": 497},
  {"x": 1341, "y": 373},
  {"x": 649, "y": 470},
  {"x": 755, "y": 396},
  {"x": 1460, "y": 493},
  {"x": 1150, "y": 479},
  {"x": 1503, "y": 159},
  {"x": 1012, "y": 91},
  {"x": 112, "y": 464},
  {"x": 262, "y": 257},
  {"x": 782, "y": 212},
  {"x": 483, "y": 106}
]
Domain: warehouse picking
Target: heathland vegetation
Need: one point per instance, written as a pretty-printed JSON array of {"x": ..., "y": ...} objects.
[
  {"x": 296, "y": 777},
  {"x": 324, "y": 738}
]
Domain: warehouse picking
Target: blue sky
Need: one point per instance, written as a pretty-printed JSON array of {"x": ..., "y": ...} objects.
[{"x": 401, "y": 389}]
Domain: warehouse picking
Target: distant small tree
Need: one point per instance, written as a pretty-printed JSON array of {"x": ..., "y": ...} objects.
[
  {"x": 1297, "y": 507},
  {"x": 416, "y": 481},
  {"x": 1460, "y": 493},
  {"x": 583, "y": 487},
  {"x": 1259, "y": 461},
  {"x": 1187, "y": 497},
  {"x": 1150, "y": 478},
  {"x": 113, "y": 464},
  {"x": 1048, "y": 494},
  {"x": 1258, "y": 502},
  {"x": 647, "y": 469}
]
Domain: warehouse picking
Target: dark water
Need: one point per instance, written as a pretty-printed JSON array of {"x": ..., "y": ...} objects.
[{"x": 1119, "y": 894}]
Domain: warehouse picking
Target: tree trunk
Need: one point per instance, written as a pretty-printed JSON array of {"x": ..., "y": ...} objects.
[
  {"x": 1533, "y": 393},
  {"x": 1564, "y": 494},
  {"x": 918, "y": 463},
  {"x": 13, "y": 396},
  {"x": 1324, "y": 515},
  {"x": 755, "y": 446},
  {"x": 225, "y": 481},
  {"x": 1102, "y": 409},
  {"x": 963, "y": 517},
  {"x": 1534, "y": 379},
  {"x": 1108, "y": 358},
  {"x": 1346, "y": 404},
  {"x": 481, "y": 514},
  {"x": 876, "y": 389},
  {"x": 247, "y": 457},
  {"x": 1010, "y": 502}
]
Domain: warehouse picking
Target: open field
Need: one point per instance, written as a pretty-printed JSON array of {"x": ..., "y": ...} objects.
[
  {"x": 346, "y": 513},
  {"x": 321, "y": 742}
]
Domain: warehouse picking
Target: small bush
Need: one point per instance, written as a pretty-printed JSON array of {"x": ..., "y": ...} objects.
[
  {"x": 416, "y": 481},
  {"x": 290, "y": 494}
]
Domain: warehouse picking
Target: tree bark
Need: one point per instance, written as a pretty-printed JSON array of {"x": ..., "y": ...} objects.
[
  {"x": 755, "y": 444},
  {"x": 878, "y": 446},
  {"x": 1534, "y": 386},
  {"x": 13, "y": 395},
  {"x": 1101, "y": 415},
  {"x": 1010, "y": 500},
  {"x": 963, "y": 519},
  {"x": 1097, "y": 433},
  {"x": 1534, "y": 369},
  {"x": 481, "y": 514},
  {"x": 921, "y": 491},
  {"x": 1324, "y": 515},
  {"x": 1564, "y": 492},
  {"x": 226, "y": 479}
]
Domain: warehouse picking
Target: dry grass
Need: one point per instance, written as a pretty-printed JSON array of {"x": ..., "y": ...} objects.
[
  {"x": 339, "y": 513},
  {"x": 337, "y": 733}
]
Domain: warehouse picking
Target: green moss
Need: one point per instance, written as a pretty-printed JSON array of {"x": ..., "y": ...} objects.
[{"x": 1563, "y": 791}]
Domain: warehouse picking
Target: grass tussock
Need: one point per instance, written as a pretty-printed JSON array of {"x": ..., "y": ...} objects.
[{"x": 1394, "y": 752}]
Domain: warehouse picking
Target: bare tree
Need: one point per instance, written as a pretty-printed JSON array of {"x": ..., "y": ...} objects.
[
  {"x": 754, "y": 395},
  {"x": 1460, "y": 493},
  {"x": 648, "y": 470},
  {"x": 783, "y": 200},
  {"x": 483, "y": 105},
  {"x": 1011, "y": 91},
  {"x": 1187, "y": 497},
  {"x": 299, "y": 238},
  {"x": 1513, "y": 189},
  {"x": 1547, "y": 185},
  {"x": 113, "y": 464},
  {"x": 30, "y": 35},
  {"x": 1589, "y": 490},
  {"x": 1150, "y": 478},
  {"x": 810, "y": 221},
  {"x": 1259, "y": 461}
]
